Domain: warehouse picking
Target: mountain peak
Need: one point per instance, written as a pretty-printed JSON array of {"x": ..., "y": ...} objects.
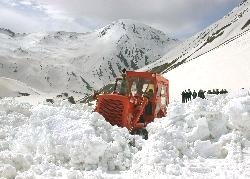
[
  {"x": 133, "y": 29},
  {"x": 82, "y": 61},
  {"x": 122, "y": 26},
  {"x": 130, "y": 22},
  {"x": 127, "y": 24},
  {"x": 7, "y": 32}
]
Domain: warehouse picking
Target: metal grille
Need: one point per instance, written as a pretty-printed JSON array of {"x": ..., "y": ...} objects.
[{"x": 112, "y": 111}]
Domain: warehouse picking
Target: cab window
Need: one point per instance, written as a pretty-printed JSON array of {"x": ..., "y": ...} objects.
[
  {"x": 140, "y": 86},
  {"x": 163, "y": 95}
]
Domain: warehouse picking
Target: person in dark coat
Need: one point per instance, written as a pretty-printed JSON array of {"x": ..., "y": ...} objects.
[
  {"x": 201, "y": 94},
  {"x": 194, "y": 94},
  {"x": 217, "y": 91},
  {"x": 123, "y": 90},
  {"x": 148, "y": 108},
  {"x": 189, "y": 95},
  {"x": 183, "y": 96}
]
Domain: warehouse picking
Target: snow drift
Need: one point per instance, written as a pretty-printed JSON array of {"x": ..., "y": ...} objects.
[
  {"x": 205, "y": 137},
  {"x": 209, "y": 129},
  {"x": 40, "y": 140}
]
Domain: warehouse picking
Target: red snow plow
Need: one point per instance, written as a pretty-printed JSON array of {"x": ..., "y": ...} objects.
[{"x": 137, "y": 98}]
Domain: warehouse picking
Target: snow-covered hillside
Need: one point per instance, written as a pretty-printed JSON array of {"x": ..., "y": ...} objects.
[
  {"x": 207, "y": 138},
  {"x": 79, "y": 62},
  {"x": 227, "y": 67},
  {"x": 7, "y": 32},
  {"x": 227, "y": 29},
  {"x": 10, "y": 87}
]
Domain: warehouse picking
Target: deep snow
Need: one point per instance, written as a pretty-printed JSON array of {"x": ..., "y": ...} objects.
[
  {"x": 225, "y": 67},
  {"x": 203, "y": 138}
]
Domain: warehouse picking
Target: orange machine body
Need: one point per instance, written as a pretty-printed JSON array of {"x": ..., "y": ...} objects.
[{"x": 146, "y": 98}]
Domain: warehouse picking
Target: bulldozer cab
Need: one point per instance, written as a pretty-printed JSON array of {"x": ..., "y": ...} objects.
[
  {"x": 133, "y": 86},
  {"x": 142, "y": 96}
]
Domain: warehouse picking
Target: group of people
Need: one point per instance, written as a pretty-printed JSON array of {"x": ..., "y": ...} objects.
[
  {"x": 216, "y": 91},
  {"x": 188, "y": 95}
]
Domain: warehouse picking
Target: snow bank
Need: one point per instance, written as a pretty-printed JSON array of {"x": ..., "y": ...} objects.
[
  {"x": 216, "y": 128},
  {"x": 42, "y": 140},
  {"x": 203, "y": 138}
]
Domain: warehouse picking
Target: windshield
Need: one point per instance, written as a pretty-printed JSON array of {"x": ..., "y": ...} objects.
[
  {"x": 140, "y": 86},
  {"x": 135, "y": 86}
]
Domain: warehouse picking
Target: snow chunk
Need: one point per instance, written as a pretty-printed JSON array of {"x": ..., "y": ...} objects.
[
  {"x": 207, "y": 149},
  {"x": 7, "y": 171},
  {"x": 201, "y": 130}
]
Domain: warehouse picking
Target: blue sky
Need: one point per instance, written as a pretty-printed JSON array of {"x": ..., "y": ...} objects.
[{"x": 180, "y": 18}]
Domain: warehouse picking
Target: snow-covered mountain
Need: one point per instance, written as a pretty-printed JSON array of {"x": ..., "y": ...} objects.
[
  {"x": 227, "y": 67},
  {"x": 7, "y": 32},
  {"x": 230, "y": 27},
  {"x": 78, "y": 62}
]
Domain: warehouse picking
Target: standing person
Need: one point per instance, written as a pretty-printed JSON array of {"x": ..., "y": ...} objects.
[
  {"x": 194, "y": 94},
  {"x": 183, "y": 96},
  {"x": 203, "y": 94},
  {"x": 200, "y": 93},
  {"x": 189, "y": 95},
  {"x": 124, "y": 90}
]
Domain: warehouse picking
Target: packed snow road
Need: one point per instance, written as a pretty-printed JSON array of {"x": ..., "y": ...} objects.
[{"x": 202, "y": 138}]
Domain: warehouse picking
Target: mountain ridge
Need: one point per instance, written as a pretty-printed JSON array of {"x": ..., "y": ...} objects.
[
  {"x": 81, "y": 62},
  {"x": 225, "y": 29}
]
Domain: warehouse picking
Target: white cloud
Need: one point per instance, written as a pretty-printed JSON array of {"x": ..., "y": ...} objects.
[
  {"x": 14, "y": 20},
  {"x": 26, "y": 3},
  {"x": 180, "y": 17},
  {"x": 19, "y": 21}
]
